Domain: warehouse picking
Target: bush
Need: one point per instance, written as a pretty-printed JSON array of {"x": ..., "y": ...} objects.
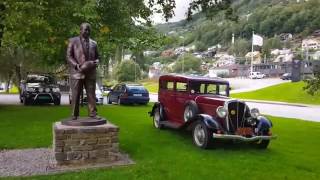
[{"x": 128, "y": 71}]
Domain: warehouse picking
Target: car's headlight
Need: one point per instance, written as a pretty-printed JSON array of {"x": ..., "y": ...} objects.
[
  {"x": 41, "y": 89},
  {"x": 222, "y": 112},
  {"x": 254, "y": 112},
  {"x": 30, "y": 89},
  {"x": 47, "y": 90},
  {"x": 56, "y": 90}
]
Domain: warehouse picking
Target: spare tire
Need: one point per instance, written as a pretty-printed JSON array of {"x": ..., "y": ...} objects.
[{"x": 190, "y": 111}]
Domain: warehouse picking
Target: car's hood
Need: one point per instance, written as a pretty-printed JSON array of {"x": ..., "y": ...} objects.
[{"x": 212, "y": 99}]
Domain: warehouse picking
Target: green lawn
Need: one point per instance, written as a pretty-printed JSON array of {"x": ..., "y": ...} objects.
[
  {"x": 13, "y": 90},
  {"x": 151, "y": 85},
  {"x": 170, "y": 154},
  {"x": 286, "y": 92}
]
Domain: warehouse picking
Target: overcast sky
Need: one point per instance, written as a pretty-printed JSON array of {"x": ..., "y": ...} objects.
[{"x": 180, "y": 12}]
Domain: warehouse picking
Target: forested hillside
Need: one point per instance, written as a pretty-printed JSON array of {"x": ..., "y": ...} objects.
[{"x": 265, "y": 17}]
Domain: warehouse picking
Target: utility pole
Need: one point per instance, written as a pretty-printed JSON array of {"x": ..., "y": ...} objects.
[{"x": 181, "y": 37}]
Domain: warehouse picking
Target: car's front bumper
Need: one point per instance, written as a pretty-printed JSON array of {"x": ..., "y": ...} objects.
[
  {"x": 242, "y": 138},
  {"x": 43, "y": 97}
]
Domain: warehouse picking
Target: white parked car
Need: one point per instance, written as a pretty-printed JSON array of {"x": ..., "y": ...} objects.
[
  {"x": 99, "y": 96},
  {"x": 256, "y": 75}
]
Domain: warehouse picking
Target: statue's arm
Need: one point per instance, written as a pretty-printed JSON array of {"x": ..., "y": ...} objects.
[{"x": 70, "y": 56}]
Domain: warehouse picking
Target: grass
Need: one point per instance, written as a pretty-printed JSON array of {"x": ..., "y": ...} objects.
[
  {"x": 170, "y": 154},
  {"x": 151, "y": 85},
  {"x": 286, "y": 92},
  {"x": 13, "y": 90}
]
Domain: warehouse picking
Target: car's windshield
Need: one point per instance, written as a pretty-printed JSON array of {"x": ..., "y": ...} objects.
[
  {"x": 209, "y": 88},
  {"x": 40, "y": 79}
]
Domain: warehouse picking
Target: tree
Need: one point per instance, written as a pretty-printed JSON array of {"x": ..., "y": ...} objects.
[
  {"x": 272, "y": 43},
  {"x": 128, "y": 71},
  {"x": 240, "y": 48},
  {"x": 313, "y": 85},
  {"x": 187, "y": 63}
]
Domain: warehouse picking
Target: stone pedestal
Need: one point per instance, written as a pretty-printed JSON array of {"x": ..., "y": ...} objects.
[{"x": 79, "y": 145}]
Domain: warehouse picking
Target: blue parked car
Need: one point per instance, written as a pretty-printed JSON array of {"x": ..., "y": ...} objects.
[{"x": 128, "y": 94}]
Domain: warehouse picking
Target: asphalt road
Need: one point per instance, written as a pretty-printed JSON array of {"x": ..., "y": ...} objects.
[{"x": 305, "y": 112}]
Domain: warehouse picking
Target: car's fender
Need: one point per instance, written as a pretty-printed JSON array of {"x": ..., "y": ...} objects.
[
  {"x": 155, "y": 105},
  {"x": 208, "y": 120}
]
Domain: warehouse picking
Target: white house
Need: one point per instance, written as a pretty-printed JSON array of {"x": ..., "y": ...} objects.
[
  {"x": 310, "y": 44},
  {"x": 284, "y": 55},
  {"x": 256, "y": 57},
  {"x": 224, "y": 59}
]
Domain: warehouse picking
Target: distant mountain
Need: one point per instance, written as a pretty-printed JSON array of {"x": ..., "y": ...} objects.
[{"x": 268, "y": 18}]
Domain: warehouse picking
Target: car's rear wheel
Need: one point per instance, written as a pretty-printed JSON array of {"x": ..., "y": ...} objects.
[
  {"x": 157, "y": 118},
  {"x": 202, "y": 135},
  {"x": 190, "y": 111}
]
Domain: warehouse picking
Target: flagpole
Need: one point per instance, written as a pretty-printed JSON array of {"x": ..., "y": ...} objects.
[{"x": 251, "y": 67}]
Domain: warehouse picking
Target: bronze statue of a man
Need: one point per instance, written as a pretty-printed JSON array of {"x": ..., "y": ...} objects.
[{"x": 83, "y": 57}]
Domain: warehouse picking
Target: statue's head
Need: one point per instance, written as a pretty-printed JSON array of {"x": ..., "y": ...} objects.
[{"x": 85, "y": 29}]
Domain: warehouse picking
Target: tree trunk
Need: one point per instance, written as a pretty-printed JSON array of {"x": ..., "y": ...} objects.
[
  {"x": 8, "y": 82},
  {"x": 118, "y": 54},
  {"x": 19, "y": 76}
]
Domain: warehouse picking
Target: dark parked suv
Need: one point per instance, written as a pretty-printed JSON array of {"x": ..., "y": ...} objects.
[
  {"x": 39, "y": 89},
  {"x": 203, "y": 106}
]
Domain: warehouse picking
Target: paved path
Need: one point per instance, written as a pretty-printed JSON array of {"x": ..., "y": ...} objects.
[{"x": 245, "y": 84}]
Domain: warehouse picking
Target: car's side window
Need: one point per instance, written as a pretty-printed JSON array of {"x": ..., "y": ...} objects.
[
  {"x": 122, "y": 88},
  {"x": 212, "y": 88},
  {"x": 202, "y": 88},
  {"x": 117, "y": 88},
  {"x": 181, "y": 86},
  {"x": 170, "y": 85}
]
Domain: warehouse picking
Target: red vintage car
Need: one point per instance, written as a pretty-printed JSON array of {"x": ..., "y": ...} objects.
[{"x": 203, "y": 105}]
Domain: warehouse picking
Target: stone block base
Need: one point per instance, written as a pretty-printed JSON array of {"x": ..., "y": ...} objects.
[{"x": 79, "y": 145}]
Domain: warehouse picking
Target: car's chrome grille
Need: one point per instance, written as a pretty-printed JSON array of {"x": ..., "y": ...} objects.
[{"x": 236, "y": 115}]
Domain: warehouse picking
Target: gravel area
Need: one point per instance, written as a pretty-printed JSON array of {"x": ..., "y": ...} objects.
[{"x": 29, "y": 162}]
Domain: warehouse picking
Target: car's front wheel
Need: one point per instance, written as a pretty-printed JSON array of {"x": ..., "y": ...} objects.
[
  {"x": 202, "y": 135},
  {"x": 57, "y": 102},
  {"x": 157, "y": 118},
  {"x": 26, "y": 101},
  {"x": 263, "y": 144}
]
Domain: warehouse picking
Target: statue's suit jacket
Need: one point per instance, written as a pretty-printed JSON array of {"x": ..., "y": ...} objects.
[{"x": 76, "y": 55}]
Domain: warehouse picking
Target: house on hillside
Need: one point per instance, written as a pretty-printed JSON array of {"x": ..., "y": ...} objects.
[
  {"x": 285, "y": 36},
  {"x": 224, "y": 59},
  {"x": 284, "y": 55},
  {"x": 155, "y": 70},
  {"x": 256, "y": 57},
  {"x": 167, "y": 53},
  {"x": 311, "y": 43}
]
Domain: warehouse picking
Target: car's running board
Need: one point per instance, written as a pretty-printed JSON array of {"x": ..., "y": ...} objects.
[
  {"x": 242, "y": 138},
  {"x": 170, "y": 124}
]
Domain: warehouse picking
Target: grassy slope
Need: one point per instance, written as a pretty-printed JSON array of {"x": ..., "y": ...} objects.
[
  {"x": 170, "y": 154},
  {"x": 286, "y": 92},
  {"x": 151, "y": 85}
]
